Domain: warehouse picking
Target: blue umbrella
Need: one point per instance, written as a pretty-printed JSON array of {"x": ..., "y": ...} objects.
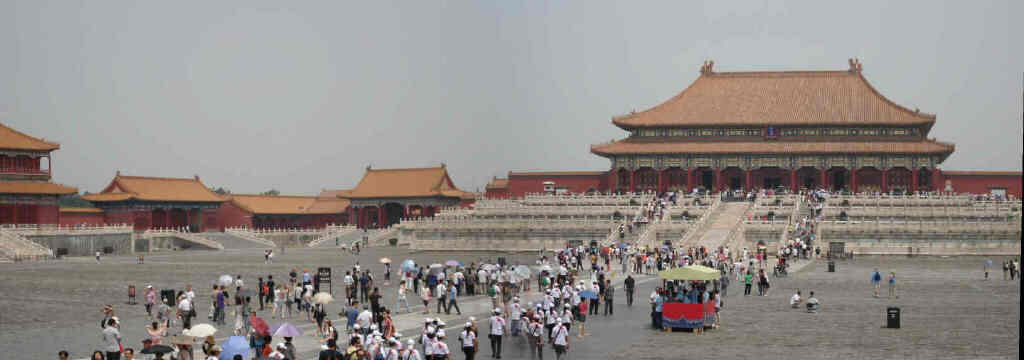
[
  {"x": 235, "y": 345},
  {"x": 588, "y": 294},
  {"x": 285, "y": 330},
  {"x": 408, "y": 266}
]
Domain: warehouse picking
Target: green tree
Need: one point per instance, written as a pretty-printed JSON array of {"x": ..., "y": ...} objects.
[
  {"x": 271, "y": 192},
  {"x": 221, "y": 191}
]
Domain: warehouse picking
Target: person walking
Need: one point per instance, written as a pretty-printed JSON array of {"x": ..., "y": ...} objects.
[
  {"x": 425, "y": 296},
  {"x": 609, "y": 297},
  {"x": 453, "y": 292},
  {"x": 535, "y": 336},
  {"x": 630, "y": 285},
  {"x": 150, "y": 301},
  {"x": 111, "y": 340},
  {"x": 747, "y": 282},
  {"x": 892, "y": 285},
  {"x": 560, "y": 339},
  {"x": 401, "y": 299},
  {"x": 497, "y": 331},
  {"x": 468, "y": 340},
  {"x": 876, "y": 280}
]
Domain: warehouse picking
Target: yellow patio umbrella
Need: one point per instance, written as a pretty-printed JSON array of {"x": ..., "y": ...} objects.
[{"x": 692, "y": 272}]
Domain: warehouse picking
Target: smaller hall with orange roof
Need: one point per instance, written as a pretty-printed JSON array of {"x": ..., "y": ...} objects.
[
  {"x": 384, "y": 196},
  {"x": 156, "y": 202},
  {"x": 26, "y": 194},
  {"x": 282, "y": 211}
]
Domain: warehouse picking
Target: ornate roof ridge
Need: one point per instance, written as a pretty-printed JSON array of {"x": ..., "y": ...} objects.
[{"x": 708, "y": 74}]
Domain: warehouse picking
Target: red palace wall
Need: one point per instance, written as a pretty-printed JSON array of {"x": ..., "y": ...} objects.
[
  {"x": 497, "y": 194},
  {"x": 983, "y": 184},
  {"x": 229, "y": 215},
  {"x": 119, "y": 217},
  {"x": 48, "y": 214},
  {"x": 77, "y": 218},
  {"x": 519, "y": 185}
]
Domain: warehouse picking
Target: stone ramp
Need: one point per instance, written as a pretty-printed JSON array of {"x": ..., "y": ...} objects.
[
  {"x": 728, "y": 219},
  {"x": 346, "y": 239},
  {"x": 230, "y": 241}
]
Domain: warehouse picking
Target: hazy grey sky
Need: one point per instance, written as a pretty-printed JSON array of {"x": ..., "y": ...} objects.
[{"x": 253, "y": 95}]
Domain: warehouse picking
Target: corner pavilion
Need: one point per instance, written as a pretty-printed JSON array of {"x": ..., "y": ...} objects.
[{"x": 793, "y": 129}]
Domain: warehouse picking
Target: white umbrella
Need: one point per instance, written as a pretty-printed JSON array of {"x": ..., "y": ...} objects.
[
  {"x": 322, "y": 298},
  {"x": 225, "y": 280},
  {"x": 201, "y": 330}
]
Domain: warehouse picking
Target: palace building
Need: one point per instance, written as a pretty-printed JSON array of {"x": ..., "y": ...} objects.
[
  {"x": 282, "y": 211},
  {"x": 26, "y": 194},
  {"x": 154, "y": 202},
  {"x": 792, "y": 129},
  {"x": 384, "y": 196}
]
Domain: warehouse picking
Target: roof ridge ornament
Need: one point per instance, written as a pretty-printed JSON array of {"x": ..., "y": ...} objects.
[
  {"x": 708, "y": 67},
  {"x": 855, "y": 65}
]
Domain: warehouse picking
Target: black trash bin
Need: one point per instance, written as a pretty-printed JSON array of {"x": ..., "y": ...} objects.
[
  {"x": 831, "y": 266},
  {"x": 892, "y": 317}
]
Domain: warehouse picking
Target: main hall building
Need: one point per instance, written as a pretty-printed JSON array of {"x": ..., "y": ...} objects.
[{"x": 791, "y": 129}]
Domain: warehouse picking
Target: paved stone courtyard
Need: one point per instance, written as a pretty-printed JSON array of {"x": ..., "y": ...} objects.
[{"x": 948, "y": 312}]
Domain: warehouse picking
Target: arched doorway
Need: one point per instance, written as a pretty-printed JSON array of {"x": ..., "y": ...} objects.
[
  {"x": 924, "y": 179},
  {"x": 160, "y": 219},
  {"x": 623, "y": 180},
  {"x": 705, "y": 178},
  {"x": 869, "y": 179},
  {"x": 415, "y": 211},
  {"x": 898, "y": 179},
  {"x": 809, "y": 178},
  {"x": 732, "y": 178},
  {"x": 770, "y": 178},
  {"x": 675, "y": 179},
  {"x": 393, "y": 213},
  {"x": 838, "y": 178},
  {"x": 645, "y": 179}
]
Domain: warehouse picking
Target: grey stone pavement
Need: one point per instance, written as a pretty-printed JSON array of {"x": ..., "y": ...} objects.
[{"x": 948, "y": 311}]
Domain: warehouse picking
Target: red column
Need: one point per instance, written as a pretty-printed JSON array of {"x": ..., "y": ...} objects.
[
  {"x": 824, "y": 182},
  {"x": 167, "y": 218},
  {"x": 661, "y": 174},
  {"x": 613, "y": 182},
  {"x": 792, "y": 180},
  {"x": 853, "y": 179},
  {"x": 717, "y": 181},
  {"x": 380, "y": 216},
  {"x": 885, "y": 180},
  {"x": 747, "y": 184},
  {"x": 632, "y": 188},
  {"x": 936, "y": 179},
  {"x": 15, "y": 206},
  {"x": 913, "y": 181}
]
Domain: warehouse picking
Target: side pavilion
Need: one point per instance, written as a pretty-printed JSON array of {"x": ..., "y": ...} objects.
[{"x": 384, "y": 196}]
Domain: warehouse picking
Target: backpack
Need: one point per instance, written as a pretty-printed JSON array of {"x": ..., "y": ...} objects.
[{"x": 878, "y": 277}]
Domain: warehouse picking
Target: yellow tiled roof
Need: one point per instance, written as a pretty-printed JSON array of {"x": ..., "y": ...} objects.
[
  {"x": 155, "y": 189},
  {"x": 396, "y": 183},
  {"x": 15, "y": 140},
  {"x": 285, "y": 204},
  {"x": 644, "y": 147},
  {"x": 35, "y": 188},
  {"x": 776, "y": 98}
]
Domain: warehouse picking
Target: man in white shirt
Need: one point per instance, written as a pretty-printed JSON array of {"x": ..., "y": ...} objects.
[
  {"x": 560, "y": 339},
  {"x": 442, "y": 296},
  {"x": 535, "y": 338},
  {"x": 364, "y": 319},
  {"x": 514, "y": 313},
  {"x": 497, "y": 330},
  {"x": 795, "y": 301},
  {"x": 468, "y": 340},
  {"x": 410, "y": 352}
]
